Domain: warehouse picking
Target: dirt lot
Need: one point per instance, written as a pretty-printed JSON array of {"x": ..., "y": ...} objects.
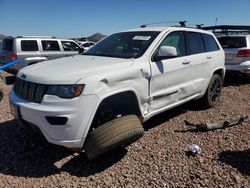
[{"x": 159, "y": 159}]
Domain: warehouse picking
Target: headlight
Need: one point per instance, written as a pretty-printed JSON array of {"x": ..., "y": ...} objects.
[{"x": 66, "y": 91}]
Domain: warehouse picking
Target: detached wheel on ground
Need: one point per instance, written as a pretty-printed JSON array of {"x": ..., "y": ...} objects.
[
  {"x": 212, "y": 95},
  {"x": 121, "y": 131}
]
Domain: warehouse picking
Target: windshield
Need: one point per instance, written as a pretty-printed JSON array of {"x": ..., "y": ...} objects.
[{"x": 123, "y": 45}]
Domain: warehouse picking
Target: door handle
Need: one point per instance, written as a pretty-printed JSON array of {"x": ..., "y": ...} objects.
[
  {"x": 209, "y": 57},
  {"x": 185, "y": 62}
]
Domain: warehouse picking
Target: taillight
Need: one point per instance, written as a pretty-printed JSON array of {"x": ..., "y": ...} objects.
[
  {"x": 14, "y": 56},
  {"x": 243, "y": 53},
  {"x": 245, "y": 70}
]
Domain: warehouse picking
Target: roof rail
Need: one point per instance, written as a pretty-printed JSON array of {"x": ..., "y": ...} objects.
[
  {"x": 35, "y": 37},
  {"x": 229, "y": 29},
  {"x": 182, "y": 23},
  {"x": 199, "y": 26}
]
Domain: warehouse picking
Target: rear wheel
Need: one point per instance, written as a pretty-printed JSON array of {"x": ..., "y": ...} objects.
[
  {"x": 212, "y": 95},
  {"x": 119, "y": 132}
]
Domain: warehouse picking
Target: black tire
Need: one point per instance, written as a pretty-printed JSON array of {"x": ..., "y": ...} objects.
[
  {"x": 1, "y": 95},
  {"x": 212, "y": 95},
  {"x": 121, "y": 131}
]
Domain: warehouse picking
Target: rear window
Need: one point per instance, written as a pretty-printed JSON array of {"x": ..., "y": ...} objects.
[
  {"x": 7, "y": 44},
  {"x": 233, "y": 42},
  {"x": 210, "y": 43},
  {"x": 50, "y": 45},
  {"x": 29, "y": 45}
]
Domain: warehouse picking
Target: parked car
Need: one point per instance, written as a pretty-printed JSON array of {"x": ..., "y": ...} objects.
[
  {"x": 235, "y": 40},
  {"x": 237, "y": 51},
  {"x": 97, "y": 101},
  {"x": 30, "y": 50},
  {"x": 87, "y": 45}
]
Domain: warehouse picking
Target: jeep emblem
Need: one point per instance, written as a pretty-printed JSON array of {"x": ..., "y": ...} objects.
[{"x": 23, "y": 76}]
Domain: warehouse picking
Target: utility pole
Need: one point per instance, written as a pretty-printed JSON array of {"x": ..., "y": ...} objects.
[{"x": 216, "y": 20}]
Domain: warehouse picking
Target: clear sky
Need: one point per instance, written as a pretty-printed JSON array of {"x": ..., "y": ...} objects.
[{"x": 77, "y": 18}]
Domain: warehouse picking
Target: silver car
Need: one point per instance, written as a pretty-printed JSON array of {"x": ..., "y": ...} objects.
[
  {"x": 237, "y": 53},
  {"x": 30, "y": 50}
]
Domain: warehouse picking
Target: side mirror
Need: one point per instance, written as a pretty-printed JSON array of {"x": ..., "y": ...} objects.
[{"x": 165, "y": 52}]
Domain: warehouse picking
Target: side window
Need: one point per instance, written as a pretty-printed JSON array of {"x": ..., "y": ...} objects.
[
  {"x": 177, "y": 40},
  {"x": 29, "y": 45},
  {"x": 69, "y": 46},
  {"x": 210, "y": 43},
  {"x": 195, "y": 44},
  {"x": 50, "y": 45}
]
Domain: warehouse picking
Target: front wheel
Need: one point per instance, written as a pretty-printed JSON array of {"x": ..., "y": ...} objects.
[
  {"x": 212, "y": 95},
  {"x": 118, "y": 132}
]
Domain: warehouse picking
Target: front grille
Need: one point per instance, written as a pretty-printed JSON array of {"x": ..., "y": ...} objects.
[{"x": 30, "y": 91}]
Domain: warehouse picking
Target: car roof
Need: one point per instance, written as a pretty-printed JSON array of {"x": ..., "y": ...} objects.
[{"x": 36, "y": 37}]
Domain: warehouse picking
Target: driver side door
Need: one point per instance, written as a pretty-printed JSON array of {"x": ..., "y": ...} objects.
[{"x": 171, "y": 78}]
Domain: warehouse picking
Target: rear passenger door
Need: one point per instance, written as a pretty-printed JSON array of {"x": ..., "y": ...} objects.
[
  {"x": 51, "y": 49},
  {"x": 29, "y": 52},
  {"x": 200, "y": 60}
]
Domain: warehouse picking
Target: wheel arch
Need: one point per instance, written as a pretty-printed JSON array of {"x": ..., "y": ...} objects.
[
  {"x": 220, "y": 72},
  {"x": 124, "y": 102}
]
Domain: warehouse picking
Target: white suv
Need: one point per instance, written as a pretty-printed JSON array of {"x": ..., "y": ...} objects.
[
  {"x": 97, "y": 101},
  {"x": 33, "y": 49}
]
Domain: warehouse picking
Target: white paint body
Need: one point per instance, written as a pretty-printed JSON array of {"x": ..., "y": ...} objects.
[{"x": 158, "y": 86}]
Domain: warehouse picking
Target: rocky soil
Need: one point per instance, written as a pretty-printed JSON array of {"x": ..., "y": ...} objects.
[{"x": 159, "y": 159}]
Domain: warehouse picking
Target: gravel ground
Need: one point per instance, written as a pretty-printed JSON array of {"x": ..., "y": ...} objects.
[{"x": 159, "y": 159}]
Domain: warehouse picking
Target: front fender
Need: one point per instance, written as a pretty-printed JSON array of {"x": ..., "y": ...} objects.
[{"x": 102, "y": 98}]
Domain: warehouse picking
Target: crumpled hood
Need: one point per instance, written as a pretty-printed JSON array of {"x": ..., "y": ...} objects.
[{"x": 70, "y": 69}]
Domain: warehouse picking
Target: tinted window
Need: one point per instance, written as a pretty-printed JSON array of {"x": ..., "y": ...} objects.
[
  {"x": 49, "y": 45},
  {"x": 69, "y": 46},
  {"x": 7, "y": 44},
  {"x": 85, "y": 45},
  {"x": 175, "y": 39},
  {"x": 210, "y": 43},
  {"x": 195, "y": 44},
  {"x": 29, "y": 45},
  {"x": 233, "y": 42},
  {"x": 124, "y": 45}
]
